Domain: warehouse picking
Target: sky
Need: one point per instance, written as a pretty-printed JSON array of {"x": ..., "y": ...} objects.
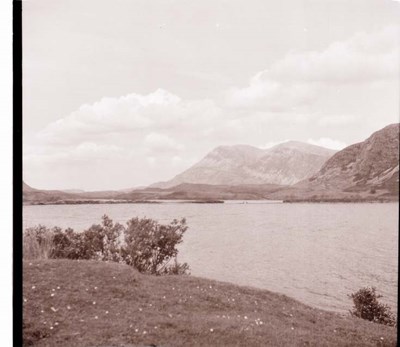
[{"x": 120, "y": 94}]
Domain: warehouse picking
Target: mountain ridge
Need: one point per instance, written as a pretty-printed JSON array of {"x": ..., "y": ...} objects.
[
  {"x": 369, "y": 164},
  {"x": 284, "y": 164}
]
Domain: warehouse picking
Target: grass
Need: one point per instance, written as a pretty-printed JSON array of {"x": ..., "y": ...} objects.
[{"x": 89, "y": 303}]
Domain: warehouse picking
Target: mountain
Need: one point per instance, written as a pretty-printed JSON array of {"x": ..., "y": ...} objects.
[
  {"x": 370, "y": 165},
  {"x": 27, "y": 188},
  {"x": 284, "y": 164}
]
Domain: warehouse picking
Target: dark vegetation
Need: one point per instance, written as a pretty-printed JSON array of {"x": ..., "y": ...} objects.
[
  {"x": 145, "y": 244},
  {"x": 367, "y": 306}
]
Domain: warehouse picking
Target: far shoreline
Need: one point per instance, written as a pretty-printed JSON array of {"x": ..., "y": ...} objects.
[{"x": 207, "y": 201}]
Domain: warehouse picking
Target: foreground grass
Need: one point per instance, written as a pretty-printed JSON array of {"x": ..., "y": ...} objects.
[{"x": 89, "y": 303}]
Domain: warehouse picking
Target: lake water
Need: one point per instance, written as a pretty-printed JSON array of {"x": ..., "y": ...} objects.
[{"x": 316, "y": 253}]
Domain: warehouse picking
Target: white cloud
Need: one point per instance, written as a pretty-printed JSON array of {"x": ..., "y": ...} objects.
[
  {"x": 297, "y": 79},
  {"x": 86, "y": 151},
  {"x": 337, "y": 120},
  {"x": 362, "y": 58},
  {"x": 160, "y": 142},
  {"x": 328, "y": 143}
]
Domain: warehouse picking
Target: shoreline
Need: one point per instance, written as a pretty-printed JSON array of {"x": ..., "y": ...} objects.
[{"x": 191, "y": 201}]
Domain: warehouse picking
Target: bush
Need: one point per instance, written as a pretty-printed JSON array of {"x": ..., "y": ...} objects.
[
  {"x": 367, "y": 306},
  {"x": 144, "y": 244},
  {"x": 149, "y": 246},
  {"x": 66, "y": 244}
]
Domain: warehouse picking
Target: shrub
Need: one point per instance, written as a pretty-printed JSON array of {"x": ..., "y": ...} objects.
[
  {"x": 37, "y": 243},
  {"x": 367, "y": 306},
  {"x": 146, "y": 244},
  {"x": 67, "y": 244},
  {"x": 175, "y": 269},
  {"x": 149, "y": 246}
]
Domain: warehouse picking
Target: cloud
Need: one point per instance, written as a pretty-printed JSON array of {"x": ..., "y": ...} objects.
[
  {"x": 160, "y": 142},
  {"x": 86, "y": 151},
  {"x": 298, "y": 78},
  {"x": 133, "y": 112},
  {"x": 144, "y": 133},
  {"x": 337, "y": 120},
  {"x": 360, "y": 59},
  {"x": 328, "y": 143}
]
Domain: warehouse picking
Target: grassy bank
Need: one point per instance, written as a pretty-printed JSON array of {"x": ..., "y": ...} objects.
[{"x": 89, "y": 303}]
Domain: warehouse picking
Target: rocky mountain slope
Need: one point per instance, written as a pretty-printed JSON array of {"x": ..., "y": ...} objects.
[
  {"x": 284, "y": 164},
  {"x": 371, "y": 165}
]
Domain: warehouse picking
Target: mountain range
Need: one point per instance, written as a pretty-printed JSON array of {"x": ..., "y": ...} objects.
[
  {"x": 291, "y": 171},
  {"x": 283, "y": 164}
]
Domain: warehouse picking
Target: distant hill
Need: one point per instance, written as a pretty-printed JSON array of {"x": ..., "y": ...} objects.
[
  {"x": 30, "y": 194},
  {"x": 27, "y": 188},
  {"x": 284, "y": 164}
]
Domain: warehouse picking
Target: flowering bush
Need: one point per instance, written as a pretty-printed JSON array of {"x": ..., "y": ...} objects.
[{"x": 367, "y": 306}]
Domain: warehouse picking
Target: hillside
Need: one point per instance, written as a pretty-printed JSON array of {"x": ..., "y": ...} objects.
[
  {"x": 371, "y": 165},
  {"x": 284, "y": 164},
  {"x": 110, "y": 304}
]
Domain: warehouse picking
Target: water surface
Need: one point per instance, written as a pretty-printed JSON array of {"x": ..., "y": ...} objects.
[{"x": 316, "y": 253}]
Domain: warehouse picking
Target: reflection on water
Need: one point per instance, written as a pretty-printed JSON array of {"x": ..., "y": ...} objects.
[{"x": 316, "y": 253}]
